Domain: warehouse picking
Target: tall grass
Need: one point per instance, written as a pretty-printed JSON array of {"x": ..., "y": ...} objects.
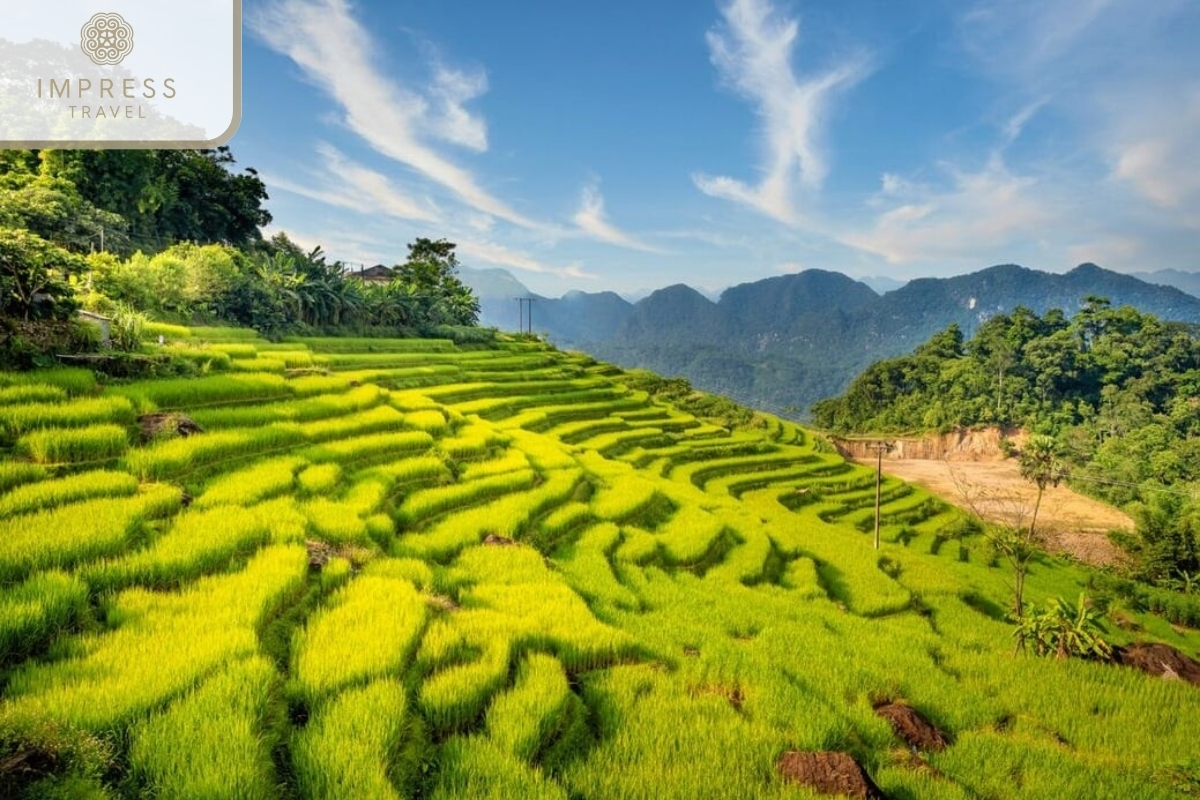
[
  {"x": 33, "y": 612},
  {"x": 522, "y": 720},
  {"x": 67, "y": 489},
  {"x": 69, "y": 535},
  {"x": 349, "y": 747},
  {"x": 16, "y": 420},
  {"x": 368, "y": 630},
  {"x": 252, "y": 484},
  {"x": 214, "y": 742},
  {"x": 74, "y": 445}
]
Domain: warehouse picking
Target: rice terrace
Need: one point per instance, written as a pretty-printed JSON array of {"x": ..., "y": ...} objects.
[{"x": 350, "y": 568}]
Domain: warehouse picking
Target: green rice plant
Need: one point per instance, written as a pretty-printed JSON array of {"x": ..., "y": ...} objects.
[
  {"x": 318, "y": 407},
  {"x": 512, "y": 460},
  {"x": 616, "y": 442},
  {"x": 237, "y": 350},
  {"x": 348, "y": 748},
  {"x": 260, "y": 365},
  {"x": 160, "y": 645},
  {"x": 563, "y": 520},
  {"x": 313, "y": 385},
  {"x": 368, "y": 630},
  {"x": 67, "y": 489},
  {"x": 544, "y": 417},
  {"x": 637, "y": 546},
  {"x": 432, "y": 421},
  {"x": 625, "y": 496},
  {"x": 223, "y": 334},
  {"x": 418, "y": 469},
  {"x": 252, "y": 484},
  {"x": 508, "y": 405},
  {"x": 206, "y": 359},
  {"x": 473, "y": 440},
  {"x": 510, "y": 516},
  {"x": 453, "y": 698},
  {"x": 475, "y": 767},
  {"x": 152, "y": 330},
  {"x": 373, "y": 447},
  {"x": 689, "y": 535},
  {"x": 171, "y": 458},
  {"x": 521, "y": 721},
  {"x": 31, "y": 393},
  {"x": 16, "y": 420},
  {"x": 198, "y": 543},
  {"x": 426, "y": 503},
  {"x": 587, "y": 567},
  {"x": 543, "y": 452},
  {"x": 319, "y": 479},
  {"x": 180, "y": 393},
  {"x": 71, "y": 534},
  {"x": 74, "y": 445},
  {"x": 33, "y": 612},
  {"x": 214, "y": 742},
  {"x": 334, "y": 522},
  {"x": 16, "y": 473},
  {"x": 350, "y": 344},
  {"x": 375, "y": 420},
  {"x": 75, "y": 381}
]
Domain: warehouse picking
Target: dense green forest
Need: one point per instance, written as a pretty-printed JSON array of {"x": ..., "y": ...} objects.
[
  {"x": 1119, "y": 391},
  {"x": 175, "y": 236}
]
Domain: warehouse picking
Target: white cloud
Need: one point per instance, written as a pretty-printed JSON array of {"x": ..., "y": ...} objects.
[
  {"x": 503, "y": 256},
  {"x": 753, "y": 54},
  {"x": 988, "y": 210},
  {"x": 337, "y": 54},
  {"x": 344, "y": 183},
  {"x": 591, "y": 220},
  {"x": 1157, "y": 152}
]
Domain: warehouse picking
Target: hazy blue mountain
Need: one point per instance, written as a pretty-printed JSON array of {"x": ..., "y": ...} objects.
[
  {"x": 784, "y": 342},
  {"x": 1184, "y": 281},
  {"x": 882, "y": 284}
]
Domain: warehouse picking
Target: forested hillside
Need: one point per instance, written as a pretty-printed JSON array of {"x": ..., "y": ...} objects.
[
  {"x": 1119, "y": 390},
  {"x": 175, "y": 236}
]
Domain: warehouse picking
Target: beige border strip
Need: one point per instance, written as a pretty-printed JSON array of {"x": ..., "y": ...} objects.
[{"x": 156, "y": 144}]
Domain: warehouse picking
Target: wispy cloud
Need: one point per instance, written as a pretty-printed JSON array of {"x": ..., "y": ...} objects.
[
  {"x": 347, "y": 184},
  {"x": 506, "y": 257},
  {"x": 337, "y": 54},
  {"x": 990, "y": 209},
  {"x": 752, "y": 52},
  {"x": 1154, "y": 152},
  {"x": 591, "y": 220}
]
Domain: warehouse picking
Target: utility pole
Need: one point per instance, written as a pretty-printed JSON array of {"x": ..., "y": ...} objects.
[
  {"x": 522, "y": 301},
  {"x": 880, "y": 448}
]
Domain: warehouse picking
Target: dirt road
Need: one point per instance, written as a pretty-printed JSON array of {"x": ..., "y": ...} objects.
[{"x": 1072, "y": 523}]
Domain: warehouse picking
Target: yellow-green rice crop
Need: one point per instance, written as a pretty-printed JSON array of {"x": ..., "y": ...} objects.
[
  {"x": 587, "y": 566},
  {"x": 624, "y": 497},
  {"x": 522, "y": 720},
  {"x": 306, "y": 409},
  {"x": 375, "y": 420},
  {"x": 31, "y": 393},
  {"x": 475, "y": 767},
  {"x": 67, "y": 489},
  {"x": 71, "y": 534},
  {"x": 349, "y": 747},
  {"x": 74, "y": 445},
  {"x": 162, "y": 644},
  {"x": 174, "y": 457},
  {"x": 176, "y": 393},
  {"x": 335, "y": 522},
  {"x": 251, "y": 484},
  {"x": 200, "y": 542},
  {"x": 512, "y": 460},
  {"x": 75, "y": 381},
  {"x": 373, "y": 447},
  {"x": 18, "y": 419},
  {"x": 319, "y": 479},
  {"x": 34, "y": 611},
  {"x": 432, "y": 421},
  {"x": 16, "y": 473},
  {"x": 426, "y": 503},
  {"x": 214, "y": 742},
  {"x": 368, "y": 630}
]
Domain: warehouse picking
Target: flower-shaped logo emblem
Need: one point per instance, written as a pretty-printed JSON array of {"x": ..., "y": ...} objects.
[{"x": 107, "y": 39}]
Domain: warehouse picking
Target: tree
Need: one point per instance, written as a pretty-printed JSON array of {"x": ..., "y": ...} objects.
[
  {"x": 33, "y": 277},
  {"x": 1040, "y": 464},
  {"x": 430, "y": 275}
]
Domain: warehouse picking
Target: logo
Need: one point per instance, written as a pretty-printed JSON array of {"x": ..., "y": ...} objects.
[{"x": 107, "y": 39}]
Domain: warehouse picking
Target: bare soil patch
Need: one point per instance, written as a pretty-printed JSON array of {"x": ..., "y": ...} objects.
[
  {"x": 1071, "y": 523},
  {"x": 166, "y": 426},
  {"x": 496, "y": 540},
  {"x": 911, "y": 726},
  {"x": 1160, "y": 659},
  {"x": 829, "y": 773}
]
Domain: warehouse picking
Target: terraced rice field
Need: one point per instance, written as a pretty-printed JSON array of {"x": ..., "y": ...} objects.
[{"x": 398, "y": 569}]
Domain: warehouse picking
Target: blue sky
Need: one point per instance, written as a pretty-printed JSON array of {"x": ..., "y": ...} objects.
[{"x": 629, "y": 145}]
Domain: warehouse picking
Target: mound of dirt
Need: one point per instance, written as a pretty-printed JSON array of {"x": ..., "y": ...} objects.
[
  {"x": 495, "y": 540},
  {"x": 911, "y": 726},
  {"x": 829, "y": 773},
  {"x": 19, "y": 769},
  {"x": 166, "y": 426},
  {"x": 1159, "y": 659}
]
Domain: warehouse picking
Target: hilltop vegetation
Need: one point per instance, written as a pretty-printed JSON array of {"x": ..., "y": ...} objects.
[
  {"x": 1119, "y": 391},
  {"x": 174, "y": 236},
  {"x": 401, "y": 568}
]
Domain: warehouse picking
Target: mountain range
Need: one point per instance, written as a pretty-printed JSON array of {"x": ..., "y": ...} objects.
[{"x": 783, "y": 342}]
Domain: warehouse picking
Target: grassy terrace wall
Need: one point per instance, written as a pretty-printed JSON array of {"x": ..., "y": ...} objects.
[{"x": 398, "y": 569}]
